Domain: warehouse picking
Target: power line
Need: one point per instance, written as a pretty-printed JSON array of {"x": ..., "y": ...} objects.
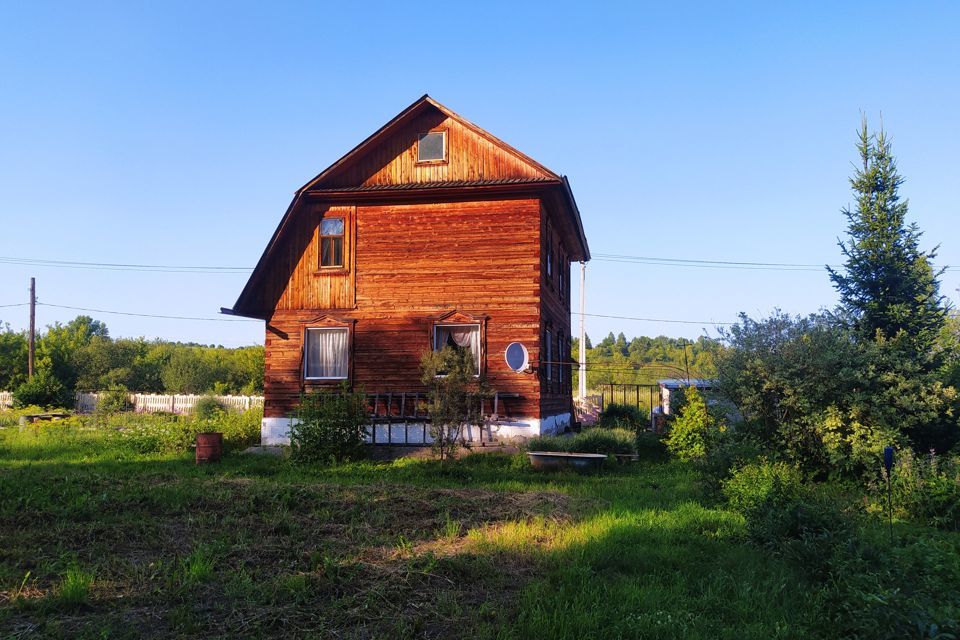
[
  {"x": 710, "y": 322},
  {"x": 18, "y": 304},
  {"x": 717, "y": 264},
  {"x": 147, "y": 315},
  {"x": 115, "y": 266},
  {"x": 602, "y": 257}
]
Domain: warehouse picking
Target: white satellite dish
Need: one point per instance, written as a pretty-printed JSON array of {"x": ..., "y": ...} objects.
[{"x": 517, "y": 356}]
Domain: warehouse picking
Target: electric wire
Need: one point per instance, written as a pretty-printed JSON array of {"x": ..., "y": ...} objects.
[
  {"x": 116, "y": 266},
  {"x": 146, "y": 315}
]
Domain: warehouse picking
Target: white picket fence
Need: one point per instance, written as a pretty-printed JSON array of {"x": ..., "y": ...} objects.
[
  {"x": 6, "y": 399},
  {"x": 155, "y": 403}
]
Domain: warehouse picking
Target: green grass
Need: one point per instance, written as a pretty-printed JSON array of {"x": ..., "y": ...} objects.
[{"x": 149, "y": 545}]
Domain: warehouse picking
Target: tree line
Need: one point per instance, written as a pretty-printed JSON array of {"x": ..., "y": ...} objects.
[
  {"x": 644, "y": 360},
  {"x": 81, "y": 356}
]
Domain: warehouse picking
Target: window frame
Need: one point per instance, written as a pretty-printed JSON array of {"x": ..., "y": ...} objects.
[
  {"x": 548, "y": 357},
  {"x": 479, "y": 327},
  {"x": 304, "y": 351},
  {"x": 446, "y": 151},
  {"x": 344, "y": 258}
]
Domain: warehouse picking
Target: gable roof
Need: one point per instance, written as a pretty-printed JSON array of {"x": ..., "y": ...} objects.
[
  {"x": 419, "y": 106},
  {"x": 326, "y": 186}
]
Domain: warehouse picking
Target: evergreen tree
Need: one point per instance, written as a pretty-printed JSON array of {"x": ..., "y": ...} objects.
[{"x": 888, "y": 285}]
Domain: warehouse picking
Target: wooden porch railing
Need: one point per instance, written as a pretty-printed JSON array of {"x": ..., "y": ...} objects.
[{"x": 407, "y": 410}]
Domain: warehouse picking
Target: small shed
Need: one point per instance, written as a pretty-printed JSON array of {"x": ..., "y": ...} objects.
[{"x": 669, "y": 385}]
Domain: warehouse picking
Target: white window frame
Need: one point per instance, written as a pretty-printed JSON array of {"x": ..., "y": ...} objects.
[
  {"x": 472, "y": 325},
  {"x": 306, "y": 340},
  {"x": 429, "y": 133}
]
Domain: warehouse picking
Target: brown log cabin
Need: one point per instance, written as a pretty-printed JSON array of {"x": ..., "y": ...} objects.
[{"x": 430, "y": 232}]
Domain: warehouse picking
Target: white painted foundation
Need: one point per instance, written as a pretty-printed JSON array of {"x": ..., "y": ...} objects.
[{"x": 276, "y": 431}]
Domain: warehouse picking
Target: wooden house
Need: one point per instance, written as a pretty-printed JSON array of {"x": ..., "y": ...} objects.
[{"x": 429, "y": 232}]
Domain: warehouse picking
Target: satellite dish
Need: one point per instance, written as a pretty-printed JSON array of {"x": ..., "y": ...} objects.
[{"x": 517, "y": 356}]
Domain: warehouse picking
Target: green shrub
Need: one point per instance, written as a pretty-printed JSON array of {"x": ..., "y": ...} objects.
[
  {"x": 331, "y": 427},
  {"x": 731, "y": 449},
  {"x": 44, "y": 390},
  {"x": 455, "y": 396},
  {"x": 650, "y": 446},
  {"x": 621, "y": 416},
  {"x": 925, "y": 488},
  {"x": 691, "y": 433},
  {"x": 208, "y": 407},
  {"x": 608, "y": 441},
  {"x": 114, "y": 400},
  {"x": 786, "y": 516},
  {"x": 168, "y": 433},
  {"x": 763, "y": 484}
]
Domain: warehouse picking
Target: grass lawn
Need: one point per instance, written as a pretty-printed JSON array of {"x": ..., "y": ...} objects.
[{"x": 102, "y": 542}]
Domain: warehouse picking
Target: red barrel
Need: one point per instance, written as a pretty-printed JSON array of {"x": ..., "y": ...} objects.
[{"x": 209, "y": 447}]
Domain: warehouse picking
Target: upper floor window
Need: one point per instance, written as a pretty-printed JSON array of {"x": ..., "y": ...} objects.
[
  {"x": 432, "y": 147},
  {"x": 326, "y": 353},
  {"x": 548, "y": 339},
  {"x": 331, "y": 242},
  {"x": 563, "y": 276},
  {"x": 462, "y": 337}
]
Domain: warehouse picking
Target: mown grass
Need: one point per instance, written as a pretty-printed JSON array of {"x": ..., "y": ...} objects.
[{"x": 102, "y": 541}]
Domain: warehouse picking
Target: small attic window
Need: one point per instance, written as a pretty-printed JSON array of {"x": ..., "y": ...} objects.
[{"x": 432, "y": 147}]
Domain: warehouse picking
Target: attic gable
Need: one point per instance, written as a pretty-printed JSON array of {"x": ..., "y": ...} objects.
[{"x": 389, "y": 157}]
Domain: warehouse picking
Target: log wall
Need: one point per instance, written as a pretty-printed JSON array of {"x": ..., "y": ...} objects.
[{"x": 411, "y": 264}]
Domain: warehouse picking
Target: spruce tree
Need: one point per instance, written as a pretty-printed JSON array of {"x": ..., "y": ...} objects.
[{"x": 888, "y": 287}]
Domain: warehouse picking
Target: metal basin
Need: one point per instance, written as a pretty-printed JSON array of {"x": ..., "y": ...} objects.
[{"x": 555, "y": 460}]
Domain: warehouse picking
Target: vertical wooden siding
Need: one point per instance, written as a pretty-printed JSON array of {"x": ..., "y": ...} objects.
[
  {"x": 295, "y": 280},
  {"x": 469, "y": 157}
]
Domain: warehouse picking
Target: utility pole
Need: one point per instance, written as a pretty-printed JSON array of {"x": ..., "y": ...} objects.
[
  {"x": 33, "y": 326},
  {"x": 583, "y": 334},
  {"x": 686, "y": 365}
]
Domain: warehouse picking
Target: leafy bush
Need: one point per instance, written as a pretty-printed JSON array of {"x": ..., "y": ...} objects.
[
  {"x": 208, "y": 407},
  {"x": 815, "y": 392},
  {"x": 455, "y": 396},
  {"x": 331, "y": 427},
  {"x": 607, "y": 441},
  {"x": 650, "y": 446},
  {"x": 763, "y": 484},
  {"x": 620, "y": 416},
  {"x": 731, "y": 449},
  {"x": 114, "y": 400},
  {"x": 157, "y": 433},
  {"x": 695, "y": 427},
  {"x": 44, "y": 390},
  {"x": 784, "y": 515},
  {"x": 925, "y": 488}
]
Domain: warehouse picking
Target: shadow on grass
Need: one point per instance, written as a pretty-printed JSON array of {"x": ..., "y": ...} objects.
[{"x": 483, "y": 547}]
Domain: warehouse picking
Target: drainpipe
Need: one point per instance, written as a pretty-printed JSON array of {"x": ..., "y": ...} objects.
[{"x": 583, "y": 346}]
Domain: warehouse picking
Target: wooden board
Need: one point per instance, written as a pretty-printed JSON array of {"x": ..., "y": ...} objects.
[
  {"x": 414, "y": 263},
  {"x": 470, "y": 156}
]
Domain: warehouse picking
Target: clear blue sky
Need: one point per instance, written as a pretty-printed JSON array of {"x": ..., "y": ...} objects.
[{"x": 176, "y": 133}]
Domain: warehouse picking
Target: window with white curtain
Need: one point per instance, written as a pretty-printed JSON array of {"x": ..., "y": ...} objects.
[
  {"x": 326, "y": 354},
  {"x": 460, "y": 337}
]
